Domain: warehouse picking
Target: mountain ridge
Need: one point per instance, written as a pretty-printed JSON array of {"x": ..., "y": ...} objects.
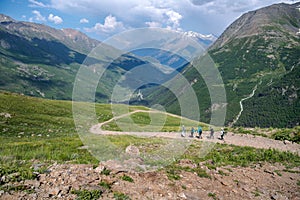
[
  {"x": 252, "y": 22},
  {"x": 38, "y": 60},
  {"x": 253, "y": 53}
]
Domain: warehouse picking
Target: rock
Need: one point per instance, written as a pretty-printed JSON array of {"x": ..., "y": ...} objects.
[
  {"x": 268, "y": 171},
  {"x": 91, "y": 187},
  {"x": 13, "y": 175},
  {"x": 132, "y": 151},
  {"x": 286, "y": 142},
  {"x": 54, "y": 191},
  {"x": 45, "y": 195},
  {"x": 258, "y": 165},
  {"x": 65, "y": 190},
  {"x": 182, "y": 195},
  {"x": 36, "y": 167},
  {"x": 3, "y": 179},
  {"x": 187, "y": 163},
  {"x": 99, "y": 169},
  {"x": 246, "y": 189},
  {"x": 278, "y": 196},
  {"x": 33, "y": 196},
  {"x": 6, "y": 115},
  {"x": 114, "y": 165},
  {"x": 234, "y": 191},
  {"x": 83, "y": 147},
  {"x": 192, "y": 196},
  {"x": 73, "y": 179},
  {"x": 33, "y": 183},
  {"x": 42, "y": 176},
  {"x": 225, "y": 183}
]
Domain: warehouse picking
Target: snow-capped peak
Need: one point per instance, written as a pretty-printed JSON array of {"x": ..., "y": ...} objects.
[{"x": 200, "y": 36}]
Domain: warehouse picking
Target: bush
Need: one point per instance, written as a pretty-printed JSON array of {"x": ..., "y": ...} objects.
[
  {"x": 127, "y": 178},
  {"x": 120, "y": 196},
  {"x": 87, "y": 195}
]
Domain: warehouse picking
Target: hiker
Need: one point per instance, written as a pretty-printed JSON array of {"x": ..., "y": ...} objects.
[
  {"x": 192, "y": 132},
  {"x": 183, "y": 131},
  {"x": 222, "y": 134},
  {"x": 211, "y": 133},
  {"x": 200, "y": 132}
]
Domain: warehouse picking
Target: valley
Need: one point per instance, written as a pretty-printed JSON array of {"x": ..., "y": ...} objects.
[{"x": 118, "y": 119}]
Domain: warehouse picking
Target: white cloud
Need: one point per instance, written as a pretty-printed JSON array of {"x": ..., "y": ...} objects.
[
  {"x": 205, "y": 16},
  {"x": 134, "y": 13},
  {"x": 37, "y": 16},
  {"x": 55, "y": 19},
  {"x": 110, "y": 25},
  {"x": 34, "y": 3},
  {"x": 174, "y": 19},
  {"x": 229, "y": 6},
  {"x": 84, "y": 21},
  {"x": 153, "y": 24}
]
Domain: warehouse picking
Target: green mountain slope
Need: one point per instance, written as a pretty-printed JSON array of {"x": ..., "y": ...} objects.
[
  {"x": 259, "y": 50},
  {"x": 263, "y": 50},
  {"x": 41, "y": 61}
]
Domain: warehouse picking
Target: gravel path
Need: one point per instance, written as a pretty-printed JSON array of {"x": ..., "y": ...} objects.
[{"x": 230, "y": 138}]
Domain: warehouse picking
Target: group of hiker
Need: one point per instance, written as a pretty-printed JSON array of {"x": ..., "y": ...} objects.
[{"x": 199, "y": 131}]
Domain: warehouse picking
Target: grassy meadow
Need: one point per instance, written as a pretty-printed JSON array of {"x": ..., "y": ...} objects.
[{"x": 37, "y": 131}]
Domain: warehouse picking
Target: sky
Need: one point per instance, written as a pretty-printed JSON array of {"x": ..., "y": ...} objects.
[{"x": 101, "y": 19}]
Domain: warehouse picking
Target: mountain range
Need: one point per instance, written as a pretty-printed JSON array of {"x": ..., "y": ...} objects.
[
  {"x": 259, "y": 54},
  {"x": 42, "y": 61},
  {"x": 257, "y": 57}
]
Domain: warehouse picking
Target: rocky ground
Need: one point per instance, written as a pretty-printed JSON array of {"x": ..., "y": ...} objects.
[
  {"x": 261, "y": 181},
  {"x": 110, "y": 180}
]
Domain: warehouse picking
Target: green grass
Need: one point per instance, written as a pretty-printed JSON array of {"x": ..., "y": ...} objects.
[
  {"x": 291, "y": 134},
  {"x": 241, "y": 130},
  {"x": 212, "y": 195},
  {"x": 106, "y": 172},
  {"x": 16, "y": 188},
  {"x": 287, "y": 134},
  {"x": 291, "y": 171},
  {"x": 87, "y": 194},
  {"x": 173, "y": 171},
  {"x": 278, "y": 172},
  {"x": 152, "y": 122},
  {"x": 127, "y": 178},
  {"x": 223, "y": 173},
  {"x": 120, "y": 196},
  {"x": 42, "y": 131},
  {"x": 256, "y": 193},
  {"x": 224, "y": 155},
  {"x": 105, "y": 185}
]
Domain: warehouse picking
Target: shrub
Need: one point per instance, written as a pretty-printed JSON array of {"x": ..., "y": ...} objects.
[{"x": 127, "y": 178}]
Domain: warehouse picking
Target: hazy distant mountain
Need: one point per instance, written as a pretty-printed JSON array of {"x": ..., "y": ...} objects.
[
  {"x": 260, "y": 49},
  {"x": 172, "y": 59}
]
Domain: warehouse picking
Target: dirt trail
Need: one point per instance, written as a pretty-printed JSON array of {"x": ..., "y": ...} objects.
[
  {"x": 242, "y": 107},
  {"x": 230, "y": 138}
]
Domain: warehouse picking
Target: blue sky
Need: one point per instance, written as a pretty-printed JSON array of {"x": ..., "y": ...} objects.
[{"x": 103, "y": 18}]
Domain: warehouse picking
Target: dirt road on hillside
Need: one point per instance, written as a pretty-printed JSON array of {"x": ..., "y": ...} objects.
[{"x": 230, "y": 138}]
